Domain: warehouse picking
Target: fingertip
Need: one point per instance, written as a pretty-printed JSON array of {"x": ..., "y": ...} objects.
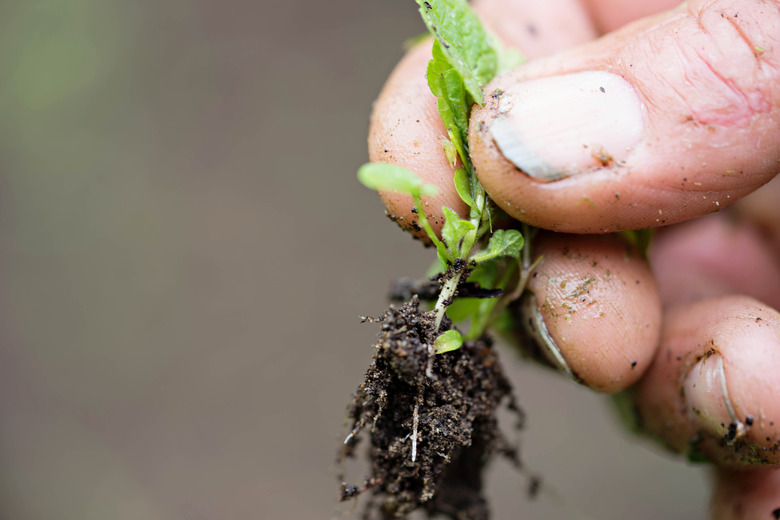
[
  {"x": 761, "y": 209},
  {"x": 406, "y": 130},
  {"x": 600, "y": 306},
  {"x": 714, "y": 255},
  {"x": 742, "y": 495},
  {"x": 670, "y": 118},
  {"x": 609, "y": 15},
  {"x": 712, "y": 387},
  {"x": 537, "y": 28}
]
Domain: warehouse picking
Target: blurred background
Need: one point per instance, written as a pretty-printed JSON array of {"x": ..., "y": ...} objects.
[{"x": 184, "y": 254}]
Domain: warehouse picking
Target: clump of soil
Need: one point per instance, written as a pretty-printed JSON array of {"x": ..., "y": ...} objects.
[{"x": 430, "y": 419}]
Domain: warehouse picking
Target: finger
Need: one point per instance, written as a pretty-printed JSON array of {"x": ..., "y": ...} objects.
[
  {"x": 670, "y": 118},
  {"x": 715, "y": 255},
  {"x": 712, "y": 388},
  {"x": 597, "y": 309},
  {"x": 406, "y": 130},
  {"x": 537, "y": 28},
  {"x": 405, "y": 125},
  {"x": 761, "y": 209},
  {"x": 612, "y": 14},
  {"x": 744, "y": 495}
]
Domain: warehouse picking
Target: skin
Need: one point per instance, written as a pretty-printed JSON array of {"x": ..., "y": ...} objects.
[
  {"x": 599, "y": 288},
  {"x": 710, "y": 292},
  {"x": 706, "y": 104},
  {"x": 405, "y": 125}
]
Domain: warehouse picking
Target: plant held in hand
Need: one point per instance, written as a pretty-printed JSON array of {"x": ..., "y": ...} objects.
[{"x": 430, "y": 397}]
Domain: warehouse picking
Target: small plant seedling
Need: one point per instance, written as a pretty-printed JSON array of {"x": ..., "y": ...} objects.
[
  {"x": 465, "y": 58},
  {"x": 430, "y": 397}
]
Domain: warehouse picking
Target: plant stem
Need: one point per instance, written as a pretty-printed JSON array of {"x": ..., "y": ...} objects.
[
  {"x": 450, "y": 286},
  {"x": 525, "y": 268},
  {"x": 478, "y": 218},
  {"x": 445, "y": 297},
  {"x": 423, "y": 221}
]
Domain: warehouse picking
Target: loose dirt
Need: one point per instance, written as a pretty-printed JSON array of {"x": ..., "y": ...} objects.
[{"x": 430, "y": 421}]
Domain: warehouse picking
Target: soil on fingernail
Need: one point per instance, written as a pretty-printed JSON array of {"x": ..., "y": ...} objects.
[{"x": 430, "y": 422}]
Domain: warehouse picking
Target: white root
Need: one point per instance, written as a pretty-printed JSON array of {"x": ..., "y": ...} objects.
[{"x": 415, "y": 422}]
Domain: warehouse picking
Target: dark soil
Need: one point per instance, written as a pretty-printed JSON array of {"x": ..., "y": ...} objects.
[{"x": 453, "y": 408}]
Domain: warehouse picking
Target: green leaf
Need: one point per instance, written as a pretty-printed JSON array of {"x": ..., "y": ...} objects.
[
  {"x": 414, "y": 41},
  {"x": 447, "y": 85},
  {"x": 386, "y": 177},
  {"x": 463, "y": 309},
  {"x": 447, "y": 342},
  {"x": 505, "y": 324},
  {"x": 695, "y": 454},
  {"x": 463, "y": 187},
  {"x": 464, "y": 41},
  {"x": 479, "y": 321},
  {"x": 443, "y": 255},
  {"x": 485, "y": 274},
  {"x": 504, "y": 242},
  {"x": 454, "y": 229}
]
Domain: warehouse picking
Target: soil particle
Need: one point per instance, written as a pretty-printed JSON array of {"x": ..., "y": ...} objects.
[
  {"x": 429, "y": 437},
  {"x": 402, "y": 289},
  {"x": 731, "y": 433}
]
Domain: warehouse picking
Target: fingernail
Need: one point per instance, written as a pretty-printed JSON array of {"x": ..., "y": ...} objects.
[
  {"x": 556, "y": 127},
  {"x": 535, "y": 326},
  {"x": 708, "y": 399}
]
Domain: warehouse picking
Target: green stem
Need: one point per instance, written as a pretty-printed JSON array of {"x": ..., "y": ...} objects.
[
  {"x": 525, "y": 267},
  {"x": 423, "y": 220},
  {"x": 486, "y": 317},
  {"x": 478, "y": 218}
]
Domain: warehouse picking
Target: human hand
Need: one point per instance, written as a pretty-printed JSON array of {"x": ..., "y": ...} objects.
[{"x": 688, "y": 122}]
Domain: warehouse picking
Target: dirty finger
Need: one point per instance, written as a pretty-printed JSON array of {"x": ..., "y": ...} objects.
[
  {"x": 405, "y": 125},
  {"x": 594, "y": 309},
  {"x": 712, "y": 388}
]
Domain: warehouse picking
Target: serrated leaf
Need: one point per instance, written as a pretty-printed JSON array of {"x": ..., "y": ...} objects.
[
  {"x": 463, "y": 187},
  {"x": 464, "y": 41},
  {"x": 447, "y": 85},
  {"x": 454, "y": 229},
  {"x": 386, "y": 177},
  {"x": 504, "y": 242},
  {"x": 448, "y": 341}
]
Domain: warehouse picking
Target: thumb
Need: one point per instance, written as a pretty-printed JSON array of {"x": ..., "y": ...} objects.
[{"x": 672, "y": 117}]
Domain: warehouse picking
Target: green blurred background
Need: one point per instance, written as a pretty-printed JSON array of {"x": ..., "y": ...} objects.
[{"x": 184, "y": 253}]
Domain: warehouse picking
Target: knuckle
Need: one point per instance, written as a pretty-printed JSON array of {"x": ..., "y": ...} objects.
[{"x": 731, "y": 61}]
